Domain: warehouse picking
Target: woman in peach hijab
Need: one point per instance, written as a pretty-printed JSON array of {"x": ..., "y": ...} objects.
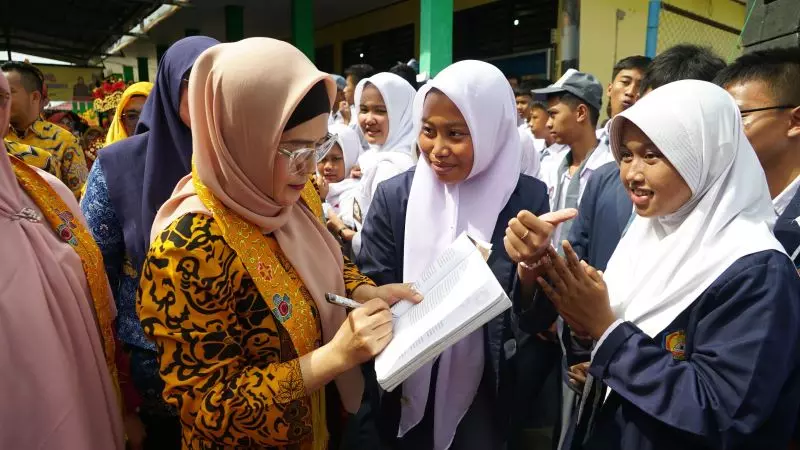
[
  {"x": 58, "y": 373},
  {"x": 233, "y": 288}
]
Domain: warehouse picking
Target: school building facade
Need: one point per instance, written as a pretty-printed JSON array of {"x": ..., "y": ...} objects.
[{"x": 529, "y": 38}]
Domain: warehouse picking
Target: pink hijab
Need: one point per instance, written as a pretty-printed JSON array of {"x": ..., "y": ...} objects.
[
  {"x": 56, "y": 388},
  {"x": 239, "y": 111}
]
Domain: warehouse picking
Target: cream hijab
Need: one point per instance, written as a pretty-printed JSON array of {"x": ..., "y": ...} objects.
[
  {"x": 239, "y": 112},
  {"x": 438, "y": 213},
  {"x": 663, "y": 264}
]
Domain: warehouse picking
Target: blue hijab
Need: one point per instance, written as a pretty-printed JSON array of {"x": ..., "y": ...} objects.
[{"x": 142, "y": 171}]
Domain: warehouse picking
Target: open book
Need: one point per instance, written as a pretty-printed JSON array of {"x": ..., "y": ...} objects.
[{"x": 461, "y": 295}]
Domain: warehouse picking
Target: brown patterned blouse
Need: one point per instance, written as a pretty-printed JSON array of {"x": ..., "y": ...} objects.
[{"x": 229, "y": 366}]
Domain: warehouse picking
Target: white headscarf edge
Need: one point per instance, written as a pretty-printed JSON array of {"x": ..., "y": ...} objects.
[{"x": 662, "y": 265}]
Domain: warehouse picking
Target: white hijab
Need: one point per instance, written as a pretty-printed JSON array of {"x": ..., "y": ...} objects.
[
  {"x": 530, "y": 158},
  {"x": 348, "y": 140},
  {"x": 437, "y": 213},
  {"x": 343, "y": 194},
  {"x": 663, "y": 264},
  {"x": 397, "y": 154}
]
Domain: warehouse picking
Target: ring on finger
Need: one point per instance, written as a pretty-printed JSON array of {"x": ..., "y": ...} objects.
[{"x": 525, "y": 235}]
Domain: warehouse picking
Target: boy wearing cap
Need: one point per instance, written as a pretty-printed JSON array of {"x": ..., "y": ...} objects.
[{"x": 573, "y": 104}]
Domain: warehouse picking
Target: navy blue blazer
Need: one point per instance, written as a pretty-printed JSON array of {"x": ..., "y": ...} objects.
[
  {"x": 381, "y": 256},
  {"x": 724, "y": 374},
  {"x": 787, "y": 229},
  {"x": 604, "y": 213}
]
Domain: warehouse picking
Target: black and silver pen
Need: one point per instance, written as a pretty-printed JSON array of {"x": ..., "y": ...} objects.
[{"x": 345, "y": 302}]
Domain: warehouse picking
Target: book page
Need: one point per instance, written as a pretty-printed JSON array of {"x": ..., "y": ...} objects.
[
  {"x": 438, "y": 303},
  {"x": 460, "y": 289},
  {"x": 455, "y": 253}
]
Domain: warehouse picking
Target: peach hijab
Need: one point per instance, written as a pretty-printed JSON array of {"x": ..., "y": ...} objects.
[{"x": 239, "y": 109}]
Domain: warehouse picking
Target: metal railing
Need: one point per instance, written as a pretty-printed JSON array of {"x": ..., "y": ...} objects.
[{"x": 678, "y": 26}]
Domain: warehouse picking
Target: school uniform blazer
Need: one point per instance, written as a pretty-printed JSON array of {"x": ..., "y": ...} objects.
[
  {"x": 724, "y": 374},
  {"x": 603, "y": 215},
  {"x": 381, "y": 256},
  {"x": 787, "y": 229}
]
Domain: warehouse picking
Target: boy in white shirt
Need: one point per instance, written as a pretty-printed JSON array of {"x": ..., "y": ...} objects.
[
  {"x": 573, "y": 104},
  {"x": 765, "y": 86}
]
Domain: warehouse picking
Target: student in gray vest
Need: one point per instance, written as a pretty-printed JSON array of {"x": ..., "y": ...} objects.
[{"x": 573, "y": 104}]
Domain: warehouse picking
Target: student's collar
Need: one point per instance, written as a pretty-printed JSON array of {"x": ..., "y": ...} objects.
[
  {"x": 597, "y": 157},
  {"x": 782, "y": 201}
]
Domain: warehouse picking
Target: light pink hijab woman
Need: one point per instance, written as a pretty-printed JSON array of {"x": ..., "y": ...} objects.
[
  {"x": 235, "y": 140},
  {"x": 55, "y": 387}
]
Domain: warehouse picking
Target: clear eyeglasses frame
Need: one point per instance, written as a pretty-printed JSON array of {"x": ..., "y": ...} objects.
[{"x": 302, "y": 158}]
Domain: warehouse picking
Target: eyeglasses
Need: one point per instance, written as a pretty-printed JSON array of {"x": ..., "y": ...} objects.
[
  {"x": 302, "y": 158},
  {"x": 766, "y": 108},
  {"x": 131, "y": 116}
]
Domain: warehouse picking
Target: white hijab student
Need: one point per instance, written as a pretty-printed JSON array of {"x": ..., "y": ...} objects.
[
  {"x": 699, "y": 304},
  {"x": 438, "y": 212},
  {"x": 334, "y": 170},
  {"x": 530, "y": 157},
  {"x": 384, "y": 114},
  {"x": 664, "y": 263}
]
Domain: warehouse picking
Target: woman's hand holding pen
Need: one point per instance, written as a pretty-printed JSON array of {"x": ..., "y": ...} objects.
[
  {"x": 364, "y": 334},
  {"x": 366, "y": 331},
  {"x": 368, "y": 328}
]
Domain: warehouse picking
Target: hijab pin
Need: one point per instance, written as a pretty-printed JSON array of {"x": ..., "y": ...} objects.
[{"x": 29, "y": 214}]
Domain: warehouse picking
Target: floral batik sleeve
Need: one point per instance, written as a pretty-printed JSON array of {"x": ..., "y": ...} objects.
[
  {"x": 353, "y": 278},
  {"x": 228, "y": 365}
]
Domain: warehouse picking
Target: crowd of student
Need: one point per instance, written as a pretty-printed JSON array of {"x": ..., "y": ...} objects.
[{"x": 651, "y": 260}]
